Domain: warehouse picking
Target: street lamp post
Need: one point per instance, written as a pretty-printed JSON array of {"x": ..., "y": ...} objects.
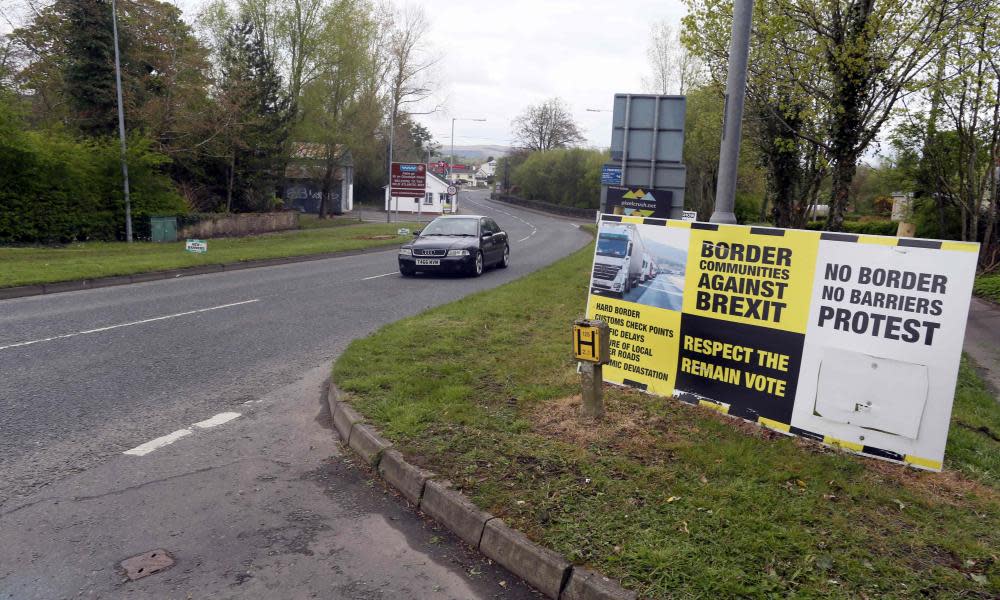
[
  {"x": 121, "y": 124},
  {"x": 452, "y": 161},
  {"x": 732, "y": 129}
]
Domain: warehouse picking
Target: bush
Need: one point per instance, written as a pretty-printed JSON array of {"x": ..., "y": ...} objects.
[
  {"x": 568, "y": 177},
  {"x": 55, "y": 188},
  {"x": 862, "y": 228}
]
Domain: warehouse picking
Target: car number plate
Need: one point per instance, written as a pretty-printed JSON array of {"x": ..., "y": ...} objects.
[{"x": 429, "y": 262}]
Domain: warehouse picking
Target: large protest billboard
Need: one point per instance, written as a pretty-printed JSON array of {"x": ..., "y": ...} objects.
[{"x": 851, "y": 340}]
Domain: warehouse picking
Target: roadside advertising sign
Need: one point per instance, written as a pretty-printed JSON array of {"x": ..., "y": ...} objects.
[
  {"x": 639, "y": 202},
  {"x": 611, "y": 174},
  {"x": 689, "y": 215},
  {"x": 409, "y": 180},
  {"x": 850, "y": 340},
  {"x": 196, "y": 246}
]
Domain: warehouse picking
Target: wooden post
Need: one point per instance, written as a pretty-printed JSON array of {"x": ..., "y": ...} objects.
[{"x": 591, "y": 348}]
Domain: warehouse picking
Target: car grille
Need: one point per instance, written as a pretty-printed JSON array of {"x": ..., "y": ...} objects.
[
  {"x": 606, "y": 271},
  {"x": 424, "y": 252}
]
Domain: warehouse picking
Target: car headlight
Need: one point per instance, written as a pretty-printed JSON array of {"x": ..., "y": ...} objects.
[
  {"x": 405, "y": 252},
  {"x": 458, "y": 253}
]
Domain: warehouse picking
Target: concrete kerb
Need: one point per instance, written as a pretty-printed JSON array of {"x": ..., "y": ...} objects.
[
  {"x": 453, "y": 510},
  {"x": 403, "y": 476},
  {"x": 546, "y": 570},
  {"x": 585, "y": 584},
  {"x": 367, "y": 443}
]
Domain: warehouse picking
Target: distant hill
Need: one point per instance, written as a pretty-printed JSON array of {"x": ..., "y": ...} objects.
[{"x": 480, "y": 153}]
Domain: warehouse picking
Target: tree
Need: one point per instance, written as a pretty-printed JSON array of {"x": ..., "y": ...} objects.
[
  {"x": 673, "y": 69},
  {"x": 546, "y": 126},
  {"x": 255, "y": 118},
  {"x": 842, "y": 64},
  {"x": 957, "y": 127},
  {"x": 334, "y": 107}
]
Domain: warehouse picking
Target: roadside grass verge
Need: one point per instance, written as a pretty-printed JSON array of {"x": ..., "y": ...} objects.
[
  {"x": 988, "y": 286},
  {"x": 33, "y": 265},
  {"x": 673, "y": 500}
]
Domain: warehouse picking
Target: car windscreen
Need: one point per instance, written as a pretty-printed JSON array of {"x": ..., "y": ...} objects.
[
  {"x": 614, "y": 244},
  {"x": 452, "y": 227}
]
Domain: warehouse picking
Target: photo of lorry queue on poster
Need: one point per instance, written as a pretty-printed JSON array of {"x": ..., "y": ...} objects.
[{"x": 850, "y": 340}]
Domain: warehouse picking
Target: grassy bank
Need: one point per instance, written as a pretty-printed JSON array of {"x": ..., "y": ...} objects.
[
  {"x": 674, "y": 500},
  {"x": 32, "y": 265},
  {"x": 988, "y": 286}
]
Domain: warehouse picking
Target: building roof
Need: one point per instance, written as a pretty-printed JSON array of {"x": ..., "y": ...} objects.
[{"x": 307, "y": 160}]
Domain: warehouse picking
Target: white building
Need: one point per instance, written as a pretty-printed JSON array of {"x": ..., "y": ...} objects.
[{"x": 434, "y": 202}]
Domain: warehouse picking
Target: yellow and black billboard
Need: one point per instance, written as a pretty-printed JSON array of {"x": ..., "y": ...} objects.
[{"x": 851, "y": 340}]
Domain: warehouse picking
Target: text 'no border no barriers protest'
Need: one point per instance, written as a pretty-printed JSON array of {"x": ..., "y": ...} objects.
[{"x": 854, "y": 341}]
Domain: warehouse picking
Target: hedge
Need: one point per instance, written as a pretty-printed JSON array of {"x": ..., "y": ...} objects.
[
  {"x": 55, "y": 188},
  {"x": 860, "y": 227}
]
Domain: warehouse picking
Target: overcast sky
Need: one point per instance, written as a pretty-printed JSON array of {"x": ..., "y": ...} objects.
[{"x": 499, "y": 56}]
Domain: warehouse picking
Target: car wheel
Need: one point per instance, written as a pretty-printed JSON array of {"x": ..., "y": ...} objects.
[
  {"x": 505, "y": 261},
  {"x": 477, "y": 265}
]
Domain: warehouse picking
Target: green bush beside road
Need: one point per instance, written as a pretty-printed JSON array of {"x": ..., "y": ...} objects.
[
  {"x": 674, "y": 500},
  {"x": 33, "y": 265},
  {"x": 988, "y": 286}
]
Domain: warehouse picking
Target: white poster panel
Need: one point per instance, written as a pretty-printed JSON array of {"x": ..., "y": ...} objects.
[{"x": 883, "y": 346}]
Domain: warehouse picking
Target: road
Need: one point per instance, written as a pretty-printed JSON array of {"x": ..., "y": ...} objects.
[
  {"x": 664, "y": 291},
  {"x": 186, "y": 415}
]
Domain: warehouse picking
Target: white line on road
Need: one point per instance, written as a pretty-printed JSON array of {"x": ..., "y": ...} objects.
[
  {"x": 170, "y": 438},
  {"x": 110, "y": 327},
  {"x": 378, "y": 276},
  {"x": 158, "y": 443},
  {"x": 217, "y": 420}
]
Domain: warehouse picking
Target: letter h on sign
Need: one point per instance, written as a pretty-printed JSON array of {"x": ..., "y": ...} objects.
[{"x": 590, "y": 341}]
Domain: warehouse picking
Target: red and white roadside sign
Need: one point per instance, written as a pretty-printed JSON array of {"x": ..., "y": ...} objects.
[
  {"x": 408, "y": 180},
  {"x": 452, "y": 190}
]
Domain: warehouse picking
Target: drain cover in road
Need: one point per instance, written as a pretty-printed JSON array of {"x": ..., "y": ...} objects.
[{"x": 147, "y": 563}]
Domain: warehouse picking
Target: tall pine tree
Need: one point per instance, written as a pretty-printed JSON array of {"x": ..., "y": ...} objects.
[
  {"x": 89, "y": 70},
  {"x": 257, "y": 115}
]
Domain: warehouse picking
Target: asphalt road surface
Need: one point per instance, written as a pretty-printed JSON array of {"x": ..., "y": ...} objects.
[
  {"x": 187, "y": 415},
  {"x": 663, "y": 291}
]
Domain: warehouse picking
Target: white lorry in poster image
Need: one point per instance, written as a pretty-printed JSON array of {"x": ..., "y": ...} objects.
[{"x": 621, "y": 260}]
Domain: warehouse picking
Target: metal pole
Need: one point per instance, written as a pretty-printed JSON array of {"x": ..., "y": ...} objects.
[
  {"x": 392, "y": 134},
  {"x": 121, "y": 124},
  {"x": 732, "y": 126},
  {"x": 452, "y": 160}
]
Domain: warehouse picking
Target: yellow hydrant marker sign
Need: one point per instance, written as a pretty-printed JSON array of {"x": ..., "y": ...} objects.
[{"x": 854, "y": 341}]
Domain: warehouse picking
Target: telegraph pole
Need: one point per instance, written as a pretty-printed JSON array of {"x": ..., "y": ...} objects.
[
  {"x": 732, "y": 128},
  {"x": 121, "y": 124}
]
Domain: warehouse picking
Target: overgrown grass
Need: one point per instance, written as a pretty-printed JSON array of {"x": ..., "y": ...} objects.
[
  {"x": 674, "y": 500},
  {"x": 988, "y": 286},
  {"x": 32, "y": 265}
]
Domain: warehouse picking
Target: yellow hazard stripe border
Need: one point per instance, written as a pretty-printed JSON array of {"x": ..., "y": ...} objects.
[
  {"x": 776, "y": 425},
  {"x": 852, "y": 446},
  {"x": 717, "y": 406},
  {"x": 926, "y": 463},
  {"x": 960, "y": 246}
]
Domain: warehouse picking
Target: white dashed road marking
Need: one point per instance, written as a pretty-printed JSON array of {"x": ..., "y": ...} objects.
[
  {"x": 158, "y": 443},
  {"x": 379, "y": 276},
  {"x": 217, "y": 420},
  {"x": 170, "y": 438},
  {"x": 110, "y": 327}
]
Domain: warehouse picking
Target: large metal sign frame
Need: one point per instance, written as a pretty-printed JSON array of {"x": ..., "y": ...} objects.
[{"x": 647, "y": 145}]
